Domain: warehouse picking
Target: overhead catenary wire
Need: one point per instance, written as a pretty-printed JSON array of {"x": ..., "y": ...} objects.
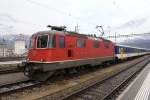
[
  {"x": 10, "y": 18},
  {"x": 60, "y": 11},
  {"x": 129, "y": 35}
]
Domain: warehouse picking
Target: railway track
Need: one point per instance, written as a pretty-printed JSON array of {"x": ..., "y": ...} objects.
[
  {"x": 18, "y": 86},
  {"x": 9, "y": 71},
  {"x": 11, "y": 67},
  {"x": 101, "y": 89},
  {"x": 109, "y": 88},
  {"x": 91, "y": 89},
  {"x": 2, "y": 59}
]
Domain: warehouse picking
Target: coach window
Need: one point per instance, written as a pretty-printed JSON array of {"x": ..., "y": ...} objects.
[
  {"x": 52, "y": 41},
  {"x": 62, "y": 42},
  {"x": 81, "y": 43},
  {"x": 42, "y": 41},
  {"x": 96, "y": 44}
]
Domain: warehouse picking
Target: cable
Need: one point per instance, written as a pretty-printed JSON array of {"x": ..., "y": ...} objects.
[
  {"x": 14, "y": 20},
  {"x": 130, "y": 35},
  {"x": 58, "y": 11},
  {"x": 46, "y": 6}
]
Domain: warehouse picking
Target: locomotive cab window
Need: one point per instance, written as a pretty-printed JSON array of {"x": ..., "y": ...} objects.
[
  {"x": 96, "y": 44},
  {"x": 31, "y": 44},
  {"x": 42, "y": 41},
  {"x": 62, "y": 42},
  {"x": 81, "y": 43},
  {"x": 106, "y": 44}
]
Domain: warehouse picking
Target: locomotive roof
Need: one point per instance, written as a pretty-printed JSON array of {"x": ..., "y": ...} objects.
[{"x": 71, "y": 33}]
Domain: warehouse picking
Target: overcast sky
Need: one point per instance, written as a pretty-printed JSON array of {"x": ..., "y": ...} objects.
[{"x": 29, "y": 16}]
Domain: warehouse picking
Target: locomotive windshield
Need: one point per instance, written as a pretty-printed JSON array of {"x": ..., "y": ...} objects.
[{"x": 42, "y": 41}]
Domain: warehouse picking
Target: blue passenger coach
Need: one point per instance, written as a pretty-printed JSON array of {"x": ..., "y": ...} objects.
[{"x": 123, "y": 52}]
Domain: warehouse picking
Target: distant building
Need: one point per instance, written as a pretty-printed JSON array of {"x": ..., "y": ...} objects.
[
  {"x": 3, "y": 50},
  {"x": 19, "y": 45},
  {"x": 10, "y": 52}
]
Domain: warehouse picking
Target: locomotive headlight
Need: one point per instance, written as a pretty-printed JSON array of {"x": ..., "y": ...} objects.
[
  {"x": 28, "y": 59},
  {"x": 42, "y": 60}
]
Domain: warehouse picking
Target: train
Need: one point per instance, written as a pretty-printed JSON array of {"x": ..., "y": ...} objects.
[
  {"x": 59, "y": 49},
  {"x": 124, "y": 51}
]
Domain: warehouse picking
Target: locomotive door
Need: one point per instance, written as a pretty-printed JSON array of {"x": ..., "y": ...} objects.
[
  {"x": 70, "y": 53},
  {"x": 70, "y": 46}
]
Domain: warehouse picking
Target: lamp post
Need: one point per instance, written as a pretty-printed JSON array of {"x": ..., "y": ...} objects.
[{"x": 115, "y": 38}]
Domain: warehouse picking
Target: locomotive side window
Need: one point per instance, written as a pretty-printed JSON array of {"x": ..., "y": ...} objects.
[
  {"x": 52, "y": 41},
  {"x": 31, "y": 42},
  {"x": 62, "y": 42},
  {"x": 106, "y": 44},
  {"x": 81, "y": 43},
  {"x": 42, "y": 41},
  {"x": 96, "y": 44}
]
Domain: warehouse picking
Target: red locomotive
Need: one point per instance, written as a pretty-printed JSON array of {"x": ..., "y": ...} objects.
[{"x": 57, "y": 49}]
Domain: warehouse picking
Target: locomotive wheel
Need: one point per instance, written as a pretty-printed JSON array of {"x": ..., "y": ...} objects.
[
  {"x": 28, "y": 71},
  {"x": 37, "y": 75},
  {"x": 42, "y": 76}
]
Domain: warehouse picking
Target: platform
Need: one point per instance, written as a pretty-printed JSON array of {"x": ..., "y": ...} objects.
[
  {"x": 10, "y": 62},
  {"x": 139, "y": 89},
  {"x": 9, "y": 65}
]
